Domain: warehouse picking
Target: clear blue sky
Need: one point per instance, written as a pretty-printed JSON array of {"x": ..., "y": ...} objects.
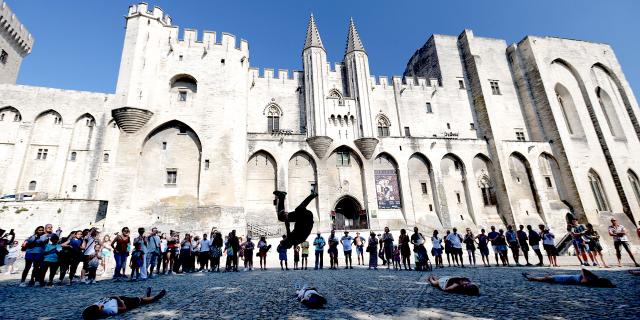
[{"x": 78, "y": 43}]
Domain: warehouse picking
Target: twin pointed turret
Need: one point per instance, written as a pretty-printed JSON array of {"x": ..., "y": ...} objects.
[
  {"x": 313, "y": 37},
  {"x": 353, "y": 39}
]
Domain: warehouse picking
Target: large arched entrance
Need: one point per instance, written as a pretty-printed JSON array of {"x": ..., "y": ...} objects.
[{"x": 349, "y": 215}]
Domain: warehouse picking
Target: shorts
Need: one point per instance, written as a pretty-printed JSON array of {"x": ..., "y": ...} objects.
[
  {"x": 305, "y": 255},
  {"x": 617, "y": 244},
  {"x": 535, "y": 247},
  {"x": 436, "y": 252},
  {"x": 360, "y": 249},
  {"x": 495, "y": 248},
  {"x": 484, "y": 251},
  {"x": 524, "y": 248},
  {"x": 501, "y": 248},
  {"x": 578, "y": 245},
  {"x": 347, "y": 253},
  {"x": 594, "y": 246},
  {"x": 131, "y": 302},
  {"x": 551, "y": 250},
  {"x": 457, "y": 251}
]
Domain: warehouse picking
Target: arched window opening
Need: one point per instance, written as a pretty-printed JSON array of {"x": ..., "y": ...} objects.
[
  {"x": 598, "y": 191},
  {"x": 32, "y": 185},
  {"x": 273, "y": 113},
  {"x": 73, "y": 156},
  {"x": 184, "y": 85},
  {"x": 635, "y": 184},
  {"x": 105, "y": 157},
  {"x": 569, "y": 111},
  {"x": 610, "y": 114},
  {"x": 383, "y": 125},
  {"x": 74, "y": 188}
]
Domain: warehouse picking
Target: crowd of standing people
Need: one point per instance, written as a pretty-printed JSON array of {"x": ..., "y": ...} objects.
[{"x": 149, "y": 254}]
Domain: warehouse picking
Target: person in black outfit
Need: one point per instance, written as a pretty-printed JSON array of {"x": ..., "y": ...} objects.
[
  {"x": 522, "y": 240},
  {"x": 534, "y": 241},
  {"x": 234, "y": 243},
  {"x": 302, "y": 218}
]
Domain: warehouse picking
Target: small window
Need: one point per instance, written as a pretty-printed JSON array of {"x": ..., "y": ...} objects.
[
  {"x": 89, "y": 122},
  {"x": 430, "y": 207},
  {"x": 448, "y": 126},
  {"x": 343, "y": 158},
  {"x": 17, "y": 118},
  {"x": 32, "y": 185},
  {"x": 222, "y": 61},
  {"x": 428, "y": 105},
  {"x": 461, "y": 83},
  {"x": 548, "y": 180},
  {"x": 407, "y": 132},
  {"x": 206, "y": 164},
  {"x": 164, "y": 145},
  {"x": 105, "y": 157},
  {"x": 182, "y": 130},
  {"x": 1, "y": 116},
  {"x": 273, "y": 123},
  {"x": 42, "y": 154},
  {"x": 4, "y": 56},
  {"x": 182, "y": 95},
  {"x": 172, "y": 176},
  {"x": 472, "y": 126},
  {"x": 180, "y": 57},
  {"x": 423, "y": 185},
  {"x": 73, "y": 156},
  {"x": 488, "y": 196},
  {"x": 520, "y": 135},
  {"x": 74, "y": 188},
  {"x": 57, "y": 120},
  {"x": 458, "y": 197},
  {"x": 314, "y": 187},
  {"x": 495, "y": 87}
]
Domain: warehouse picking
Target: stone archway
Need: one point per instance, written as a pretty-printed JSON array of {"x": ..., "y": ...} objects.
[{"x": 348, "y": 214}]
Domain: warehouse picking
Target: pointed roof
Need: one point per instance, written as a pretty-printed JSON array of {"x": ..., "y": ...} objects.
[
  {"x": 353, "y": 39},
  {"x": 313, "y": 36}
]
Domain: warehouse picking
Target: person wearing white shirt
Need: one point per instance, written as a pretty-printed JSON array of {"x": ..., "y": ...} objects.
[
  {"x": 456, "y": 244},
  {"x": 346, "y": 242},
  {"x": 203, "y": 255}
]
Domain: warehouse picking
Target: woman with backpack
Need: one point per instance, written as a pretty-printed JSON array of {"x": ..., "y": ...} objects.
[{"x": 34, "y": 247}]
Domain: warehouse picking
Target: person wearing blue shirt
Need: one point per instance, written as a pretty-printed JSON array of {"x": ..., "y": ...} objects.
[
  {"x": 319, "y": 244},
  {"x": 512, "y": 240}
]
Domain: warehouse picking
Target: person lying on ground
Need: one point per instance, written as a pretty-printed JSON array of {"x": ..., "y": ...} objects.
[
  {"x": 310, "y": 297},
  {"x": 302, "y": 217},
  {"x": 584, "y": 278},
  {"x": 635, "y": 272},
  {"x": 110, "y": 306},
  {"x": 460, "y": 285}
]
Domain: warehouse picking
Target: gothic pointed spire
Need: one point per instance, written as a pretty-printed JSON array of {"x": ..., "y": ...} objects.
[
  {"x": 313, "y": 36},
  {"x": 353, "y": 39}
]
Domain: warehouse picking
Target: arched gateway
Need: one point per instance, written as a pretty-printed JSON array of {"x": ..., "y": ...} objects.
[{"x": 348, "y": 214}]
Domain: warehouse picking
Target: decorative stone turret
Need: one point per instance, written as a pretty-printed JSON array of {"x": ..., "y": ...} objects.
[
  {"x": 320, "y": 145},
  {"x": 367, "y": 146},
  {"x": 130, "y": 119}
]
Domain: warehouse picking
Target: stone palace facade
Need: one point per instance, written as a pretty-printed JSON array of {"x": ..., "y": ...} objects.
[{"x": 475, "y": 133}]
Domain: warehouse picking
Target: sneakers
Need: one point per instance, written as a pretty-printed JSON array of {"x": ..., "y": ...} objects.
[
  {"x": 23, "y": 284},
  {"x": 161, "y": 294},
  {"x": 595, "y": 264}
]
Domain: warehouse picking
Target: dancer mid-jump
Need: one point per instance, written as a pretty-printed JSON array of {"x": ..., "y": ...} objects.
[{"x": 302, "y": 217}]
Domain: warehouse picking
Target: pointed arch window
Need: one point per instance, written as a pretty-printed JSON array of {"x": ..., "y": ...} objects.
[
  {"x": 273, "y": 113},
  {"x": 383, "y": 124},
  {"x": 32, "y": 186},
  {"x": 635, "y": 184},
  {"x": 598, "y": 191}
]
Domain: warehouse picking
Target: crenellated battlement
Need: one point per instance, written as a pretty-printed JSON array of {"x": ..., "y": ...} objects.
[
  {"x": 142, "y": 9},
  {"x": 295, "y": 76},
  {"x": 210, "y": 40},
  {"x": 10, "y": 24},
  {"x": 407, "y": 82}
]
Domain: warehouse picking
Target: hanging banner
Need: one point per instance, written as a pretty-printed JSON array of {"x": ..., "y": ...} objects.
[{"x": 387, "y": 189}]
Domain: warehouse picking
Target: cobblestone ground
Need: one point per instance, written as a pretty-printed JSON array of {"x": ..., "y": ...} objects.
[{"x": 352, "y": 294}]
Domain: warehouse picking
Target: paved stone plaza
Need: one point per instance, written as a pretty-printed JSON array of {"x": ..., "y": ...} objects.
[{"x": 352, "y": 294}]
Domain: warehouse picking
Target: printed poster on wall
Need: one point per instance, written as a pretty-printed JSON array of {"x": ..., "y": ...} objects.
[{"x": 387, "y": 189}]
